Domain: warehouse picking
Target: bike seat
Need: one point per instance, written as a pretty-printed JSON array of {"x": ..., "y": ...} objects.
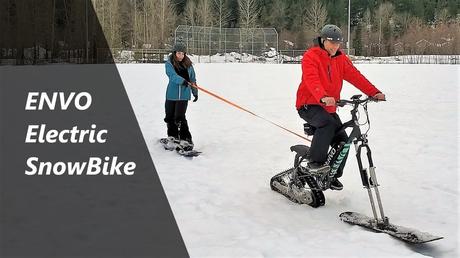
[{"x": 301, "y": 150}]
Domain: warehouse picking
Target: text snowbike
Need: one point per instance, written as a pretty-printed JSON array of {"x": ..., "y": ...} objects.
[{"x": 303, "y": 187}]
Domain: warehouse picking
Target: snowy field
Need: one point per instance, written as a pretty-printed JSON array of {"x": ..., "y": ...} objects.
[{"x": 222, "y": 200}]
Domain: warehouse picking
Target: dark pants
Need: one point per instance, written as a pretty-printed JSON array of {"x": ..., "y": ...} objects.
[
  {"x": 175, "y": 119},
  {"x": 326, "y": 134}
]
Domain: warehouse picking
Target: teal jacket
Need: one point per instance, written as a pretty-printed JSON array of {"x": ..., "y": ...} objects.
[{"x": 177, "y": 87}]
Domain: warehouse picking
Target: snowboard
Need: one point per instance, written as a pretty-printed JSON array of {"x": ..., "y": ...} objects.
[
  {"x": 408, "y": 235},
  {"x": 178, "y": 149}
]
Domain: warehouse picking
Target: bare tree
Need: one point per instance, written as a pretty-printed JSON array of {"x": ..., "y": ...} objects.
[
  {"x": 114, "y": 23},
  {"x": 366, "y": 37},
  {"x": 404, "y": 20},
  {"x": 414, "y": 34},
  {"x": 159, "y": 19},
  {"x": 108, "y": 13},
  {"x": 139, "y": 24},
  {"x": 135, "y": 23},
  {"x": 384, "y": 14},
  {"x": 385, "y": 11},
  {"x": 249, "y": 11},
  {"x": 441, "y": 16},
  {"x": 165, "y": 15},
  {"x": 204, "y": 13},
  {"x": 278, "y": 14},
  {"x": 145, "y": 21},
  {"x": 222, "y": 13},
  {"x": 315, "y": 16},
  {"x": 190, "y": 13},
  {"x": 222, "y": 17}
]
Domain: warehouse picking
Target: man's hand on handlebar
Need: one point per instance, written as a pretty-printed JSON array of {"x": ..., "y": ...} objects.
[
  {"x": 328, "y": 101},
  {"x": 379, "y": 97}
]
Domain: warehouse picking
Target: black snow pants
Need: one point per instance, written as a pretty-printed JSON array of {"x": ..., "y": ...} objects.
[
  {"x": 176, "y": 121},
  {"x": 326, "y": 133}
]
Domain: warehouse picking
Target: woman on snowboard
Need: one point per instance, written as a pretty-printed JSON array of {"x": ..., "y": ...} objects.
[{"x": 181, "y": 84}]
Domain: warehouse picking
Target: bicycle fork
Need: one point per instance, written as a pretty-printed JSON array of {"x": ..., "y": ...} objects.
[{"x": 369, "y": 180}]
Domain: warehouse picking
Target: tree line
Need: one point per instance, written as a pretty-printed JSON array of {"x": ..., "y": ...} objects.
[{"x": 378, "y": 27}]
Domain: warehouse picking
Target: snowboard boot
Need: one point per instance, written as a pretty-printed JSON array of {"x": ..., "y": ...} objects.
[
  {"x": 186, "y": 145},
  {"x": 318, "y": 168},
  {"x": 171, "y": 143},
  {"x": 336, "y": 185}
]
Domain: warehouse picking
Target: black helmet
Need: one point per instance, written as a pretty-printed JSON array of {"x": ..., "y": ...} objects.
[
  {"x": 331, "y": 32},
  {"x": 179, "y": 47}
]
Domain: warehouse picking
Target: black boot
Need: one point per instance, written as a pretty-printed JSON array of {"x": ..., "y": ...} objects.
[
  {"x": 336, "y": 185},
  {"x": 318, "y": 168}
]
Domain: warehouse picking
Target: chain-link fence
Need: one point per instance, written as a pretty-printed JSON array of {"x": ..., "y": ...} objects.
[
  {"x": 247, "y": 43},
  {"x": 409, "y": 59},
  {"x": 40, "y": 55}
]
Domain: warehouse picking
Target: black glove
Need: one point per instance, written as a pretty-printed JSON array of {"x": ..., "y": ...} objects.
[{"x": 195, "y": 98}]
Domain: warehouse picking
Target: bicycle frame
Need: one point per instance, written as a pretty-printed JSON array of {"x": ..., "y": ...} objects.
[
  {"x": 368, "y": 176},
  {"x": 337, "y": 155}
]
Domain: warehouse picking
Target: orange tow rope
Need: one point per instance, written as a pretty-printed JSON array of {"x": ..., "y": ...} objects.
[{"x": 248, "y": 111}]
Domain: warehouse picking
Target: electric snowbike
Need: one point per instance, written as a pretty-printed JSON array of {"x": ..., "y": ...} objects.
[{"x": 300, "y": 185}]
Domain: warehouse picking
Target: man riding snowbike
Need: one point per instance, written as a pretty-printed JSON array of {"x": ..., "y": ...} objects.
[{"x": 324, "y": 67}]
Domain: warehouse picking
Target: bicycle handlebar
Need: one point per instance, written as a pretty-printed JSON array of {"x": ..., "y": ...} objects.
[{"x": 355, "y": 100}]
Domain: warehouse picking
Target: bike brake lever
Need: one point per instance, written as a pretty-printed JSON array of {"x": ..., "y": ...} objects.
[
  {"x": 376, "y": 100},
  {"x": 340, "y": 103}
]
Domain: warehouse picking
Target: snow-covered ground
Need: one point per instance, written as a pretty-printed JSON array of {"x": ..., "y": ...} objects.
[{"x": 222, "y": 200}]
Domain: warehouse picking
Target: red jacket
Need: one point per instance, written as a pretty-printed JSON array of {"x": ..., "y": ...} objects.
[{"x": 323, "y": 75}]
